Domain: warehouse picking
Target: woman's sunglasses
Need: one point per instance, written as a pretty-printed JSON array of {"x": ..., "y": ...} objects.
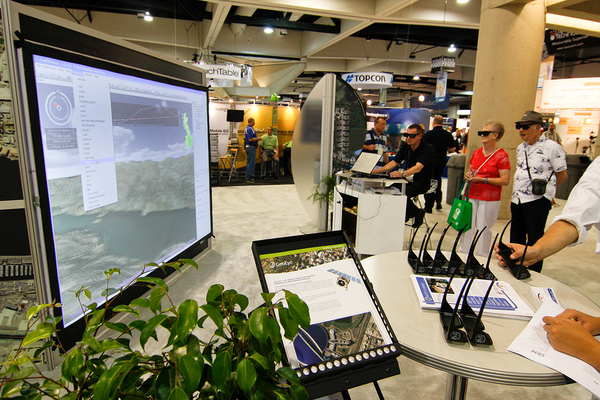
[{"x": 484, "y": 133}]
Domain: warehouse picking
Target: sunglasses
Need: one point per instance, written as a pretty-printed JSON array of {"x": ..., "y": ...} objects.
[
  {"x": 523, "y": 126},
  {"x": 484, "y": 133},
  {"x": 411, "y": 135}
]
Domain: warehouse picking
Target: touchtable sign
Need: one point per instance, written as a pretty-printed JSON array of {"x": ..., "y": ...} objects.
[
  {"x": 369, "y": 80},
  {"x": 215, "y": 71}
]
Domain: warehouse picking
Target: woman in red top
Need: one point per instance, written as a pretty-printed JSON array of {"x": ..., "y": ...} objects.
[{"x": 489, "y": 171}]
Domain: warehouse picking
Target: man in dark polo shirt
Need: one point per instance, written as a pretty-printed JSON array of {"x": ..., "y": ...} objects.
[
  {"x": 418, "y": 158},
  {"x": 442, "y": 142}
]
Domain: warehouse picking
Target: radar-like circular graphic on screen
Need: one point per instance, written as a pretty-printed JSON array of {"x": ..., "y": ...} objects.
[{"x": 59, "y": 108}]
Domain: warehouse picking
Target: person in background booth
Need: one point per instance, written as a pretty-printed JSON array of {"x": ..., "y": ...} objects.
[
  {"x": 269, "y": 146},
  {"x": 377, "y": 142},
  {"x": 418, "y": 156},
  {"x": 442, "y": 142},
  {"x": 286, "y": 158},
  {"x": 552, "y": 134},
  {"x": 250, "y": 144},
  {"x": 489, "y": 171},
  {"x": 541, "y": 167}
]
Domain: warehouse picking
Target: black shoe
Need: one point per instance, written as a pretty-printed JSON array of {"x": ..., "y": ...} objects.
[
  {"x": 418, "y": 219},
  {"x": 438, "y": 206},
  {"x": 429, "y": 210}
]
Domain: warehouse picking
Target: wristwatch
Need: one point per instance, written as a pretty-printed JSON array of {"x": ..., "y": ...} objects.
[
  {"x": 404, "y": 176},
  {"x": 486, "y": 180}
]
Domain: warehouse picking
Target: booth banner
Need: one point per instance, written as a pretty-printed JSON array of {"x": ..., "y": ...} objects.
[
  {"x": 571, "y": 93},
  {"x": 246, "y": 76},
  {"x": 430, "y": 103},
  {"x": 440, "y": 87},
  {"x": 560, "y": 41},
  {"x": 369, "y": 80},
  {"x": 546, "y": 67}
]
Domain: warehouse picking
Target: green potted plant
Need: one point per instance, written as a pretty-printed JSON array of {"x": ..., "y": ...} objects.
[{"x": 241, "y": 359}]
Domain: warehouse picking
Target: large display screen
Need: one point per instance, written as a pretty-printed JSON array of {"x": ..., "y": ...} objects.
[{"x": 122, "y": 162}]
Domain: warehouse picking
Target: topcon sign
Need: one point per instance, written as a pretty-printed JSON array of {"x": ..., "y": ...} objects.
[{"x": 369, "y": 80}]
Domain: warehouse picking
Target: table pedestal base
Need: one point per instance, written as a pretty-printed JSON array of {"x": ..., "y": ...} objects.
[{"x": 456, "y": 387}]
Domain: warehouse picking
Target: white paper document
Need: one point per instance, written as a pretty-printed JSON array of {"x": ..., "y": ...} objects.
[
  {"x": 503, "y": 301},
  {"x": 533, "y": 343}
]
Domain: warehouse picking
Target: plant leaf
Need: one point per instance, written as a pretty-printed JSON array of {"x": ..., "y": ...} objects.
[
  {"x": 245, "y": 375},
  {"x": 188, "y": 317},
  {"x": 119, "y": 326},
  {"x": 259, "y": 325},
  {"x": 109, "y": 382},
  {"x": 178, "y": 394},
  {"x": 214, "y": 292},
  {"x": 298, "y": 309},
  {"x": 289, "y": 374},
  {"x": 154, "y": 282},
  {"x": 150, "y": 328},
  {"x": 40, "y": 333},
  {"x": 193, "y": 347},
  {"x": 191, "y": 370},
  {"x": 165, "y": 382},
  {"x": 289, "y": 324},
  {"x": 71, "y": 365},
  {"x": 39, "y": 351},
  {"x": 268, "y": 298},
  {"x": 140, "y": 303},
  {"x": 155, "y": 298},
  {"x": 126, "y": 309},
  {"x": 298, "y": 392},
  {"x": 35, "y": 309},
  {"x": 241, "y": 300},
  {"x": 214, "y": 315},
  {"x": 221, "y": 369}
]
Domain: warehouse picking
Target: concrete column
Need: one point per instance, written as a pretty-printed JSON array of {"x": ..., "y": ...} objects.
[{"x": 509, "y": 52}]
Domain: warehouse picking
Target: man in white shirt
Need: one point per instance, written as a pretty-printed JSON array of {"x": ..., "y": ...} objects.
[{"x": 541, "y": 167}]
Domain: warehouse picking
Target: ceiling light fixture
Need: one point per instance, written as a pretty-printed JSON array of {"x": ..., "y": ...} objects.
[
  {"x": 146, "y": 15},
  {"x": 462, "y": 1},
  {"x": 451, "y": 49},
  {"x": 412, "y": 56},
  {"x": 369, "y": 102},
  {"x": 283, "y": 32},
  {"x": 416, "y": 78},
  {"x": 368, "y": 38},
  {"x": 268, "y": 29},
  {"x": 421, "y": 98}
]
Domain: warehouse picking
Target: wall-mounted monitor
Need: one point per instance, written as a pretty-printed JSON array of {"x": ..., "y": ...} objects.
[
  {"x": 235, "y": 115},
  {"x": 121, "y": 161}
]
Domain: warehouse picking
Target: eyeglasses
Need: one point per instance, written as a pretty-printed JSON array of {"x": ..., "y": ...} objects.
[
  {"x": 484, "y": 133},
  {"x": 523, "y": 126},
  {"x": 411, "y": 135}
]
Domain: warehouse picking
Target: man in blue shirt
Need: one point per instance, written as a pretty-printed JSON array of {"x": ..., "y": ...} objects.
[
  {"x": 251, "y": 144},
  {"x": 376, "y": 141}
]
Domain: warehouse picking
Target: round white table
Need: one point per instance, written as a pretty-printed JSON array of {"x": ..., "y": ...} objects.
[{"x": 421, "y": 334}]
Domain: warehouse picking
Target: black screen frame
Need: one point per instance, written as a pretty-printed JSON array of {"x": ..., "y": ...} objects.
[
  {"x": 69, "y": 335},
  {"x": 235, "y": 115}
]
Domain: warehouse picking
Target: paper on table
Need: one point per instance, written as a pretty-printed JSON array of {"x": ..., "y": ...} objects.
[{"x": 533, "y": 343}]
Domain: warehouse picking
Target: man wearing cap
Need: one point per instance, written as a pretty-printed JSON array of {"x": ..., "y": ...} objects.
[
  {"x": 419, "y": 164},
  {"x": 541, "y": 167}
]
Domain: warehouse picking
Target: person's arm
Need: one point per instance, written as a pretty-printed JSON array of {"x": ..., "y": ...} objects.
[
  {"x": 557, "y": 237},
  {"x": 387, "y": 167},
  {"x": 276, "y": 149},
  {"x": 415, "y": 169},
  {"x": 569, "y": 336},
  {"x": 502, "y": 180},
  {"x": 561, "y": 177},
  {"x": 369, "y": 147}
]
